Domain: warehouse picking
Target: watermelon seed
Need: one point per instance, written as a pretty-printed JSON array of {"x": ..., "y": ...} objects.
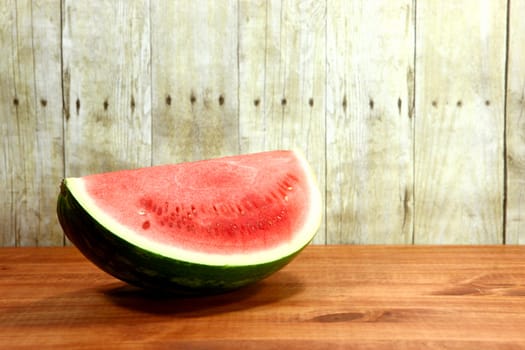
[
  {"x": 145, "y": 225},
  {"x": 292, "y": 177},
  {"x": 145, "y": 203},
  {"x": 285, "y": 198},
  {"x": 240, "y": 210},
  {"x": 283, "y": 185},
  {"x": 142, "y": 212}
]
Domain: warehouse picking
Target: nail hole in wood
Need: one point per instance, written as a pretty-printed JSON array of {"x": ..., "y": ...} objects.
[
  {"x": 256, "y": 102},
  {"x": 434, "y": 103},
  {"x": 221, "y": 100},
  {"x": 132, "y": 103},
  {"x": 283, "y": 101},
  {"x": 311, "y": 102},
  {"x": 43, "y": 102},
  {"x": 345, "y": 103},
  {"x": 459, "y": 103},
  {"x": 106, "y": 105},
  {"x": 193, "y": 99},
  {"x": 16, "y": 102},
  {"x": 371, "y": 103},
  {"x": 487, "y": 102},
  {"x": 168, "y": 100}
]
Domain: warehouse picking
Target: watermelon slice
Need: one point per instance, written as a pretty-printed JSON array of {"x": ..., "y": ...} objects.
[{"x": 198, "y": 227}]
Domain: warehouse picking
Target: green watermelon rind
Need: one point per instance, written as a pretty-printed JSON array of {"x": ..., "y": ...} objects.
[{"x": 148, "y": 269}]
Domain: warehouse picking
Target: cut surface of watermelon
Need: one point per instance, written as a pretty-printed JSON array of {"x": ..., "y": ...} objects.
[{"x": 247, "y": 210}]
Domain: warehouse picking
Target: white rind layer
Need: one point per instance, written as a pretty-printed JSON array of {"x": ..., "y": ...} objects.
[{"x": 300, "y": 239}]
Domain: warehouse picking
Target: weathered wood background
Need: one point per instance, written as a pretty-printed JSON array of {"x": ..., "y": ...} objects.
[{"x": 412, "y": 113}]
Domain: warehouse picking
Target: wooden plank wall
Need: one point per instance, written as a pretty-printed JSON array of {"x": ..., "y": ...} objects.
[
  {"x": 410, "y": 112},
  {"x": 515, "y": 127},
  {"x": 460, "y": 120}
]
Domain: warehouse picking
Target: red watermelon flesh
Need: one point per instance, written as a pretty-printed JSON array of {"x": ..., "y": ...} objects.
[{"x": 230, "y": 205}]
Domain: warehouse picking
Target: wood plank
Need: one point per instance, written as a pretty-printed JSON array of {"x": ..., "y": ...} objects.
[
  {"x": 194, "y": 74},
  {"x": 107, "y": 85},
  {"x": 30, "y": 122},
  {"x": 515, "y": 127},
  {"x": 253, "y": 41},
  {"x": 381, "y": 297},
  {"x": 459, "y": 121},
  {"x": 370, "y": 121},
  {"x": 282, "y": 78}
]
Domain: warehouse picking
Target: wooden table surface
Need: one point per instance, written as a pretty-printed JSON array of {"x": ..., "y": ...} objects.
[{"x": 330, "y": 297}]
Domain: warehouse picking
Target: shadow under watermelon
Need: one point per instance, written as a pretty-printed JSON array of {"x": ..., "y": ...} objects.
[{"x": 274, "y": 289}]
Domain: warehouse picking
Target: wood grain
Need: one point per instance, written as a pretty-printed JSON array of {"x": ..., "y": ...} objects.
[
  {"x": 515, "y": 127},
  {"x": 30, "y": 122},
  {"x": 460, "y": 121},
  {"x": 330, "y": 297},
  {"x": 106, "y": 75},
  {"x": 369, "y": 147},
  {"x": 194, "y": 74},
  {"x": 253, "y": 52}
]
